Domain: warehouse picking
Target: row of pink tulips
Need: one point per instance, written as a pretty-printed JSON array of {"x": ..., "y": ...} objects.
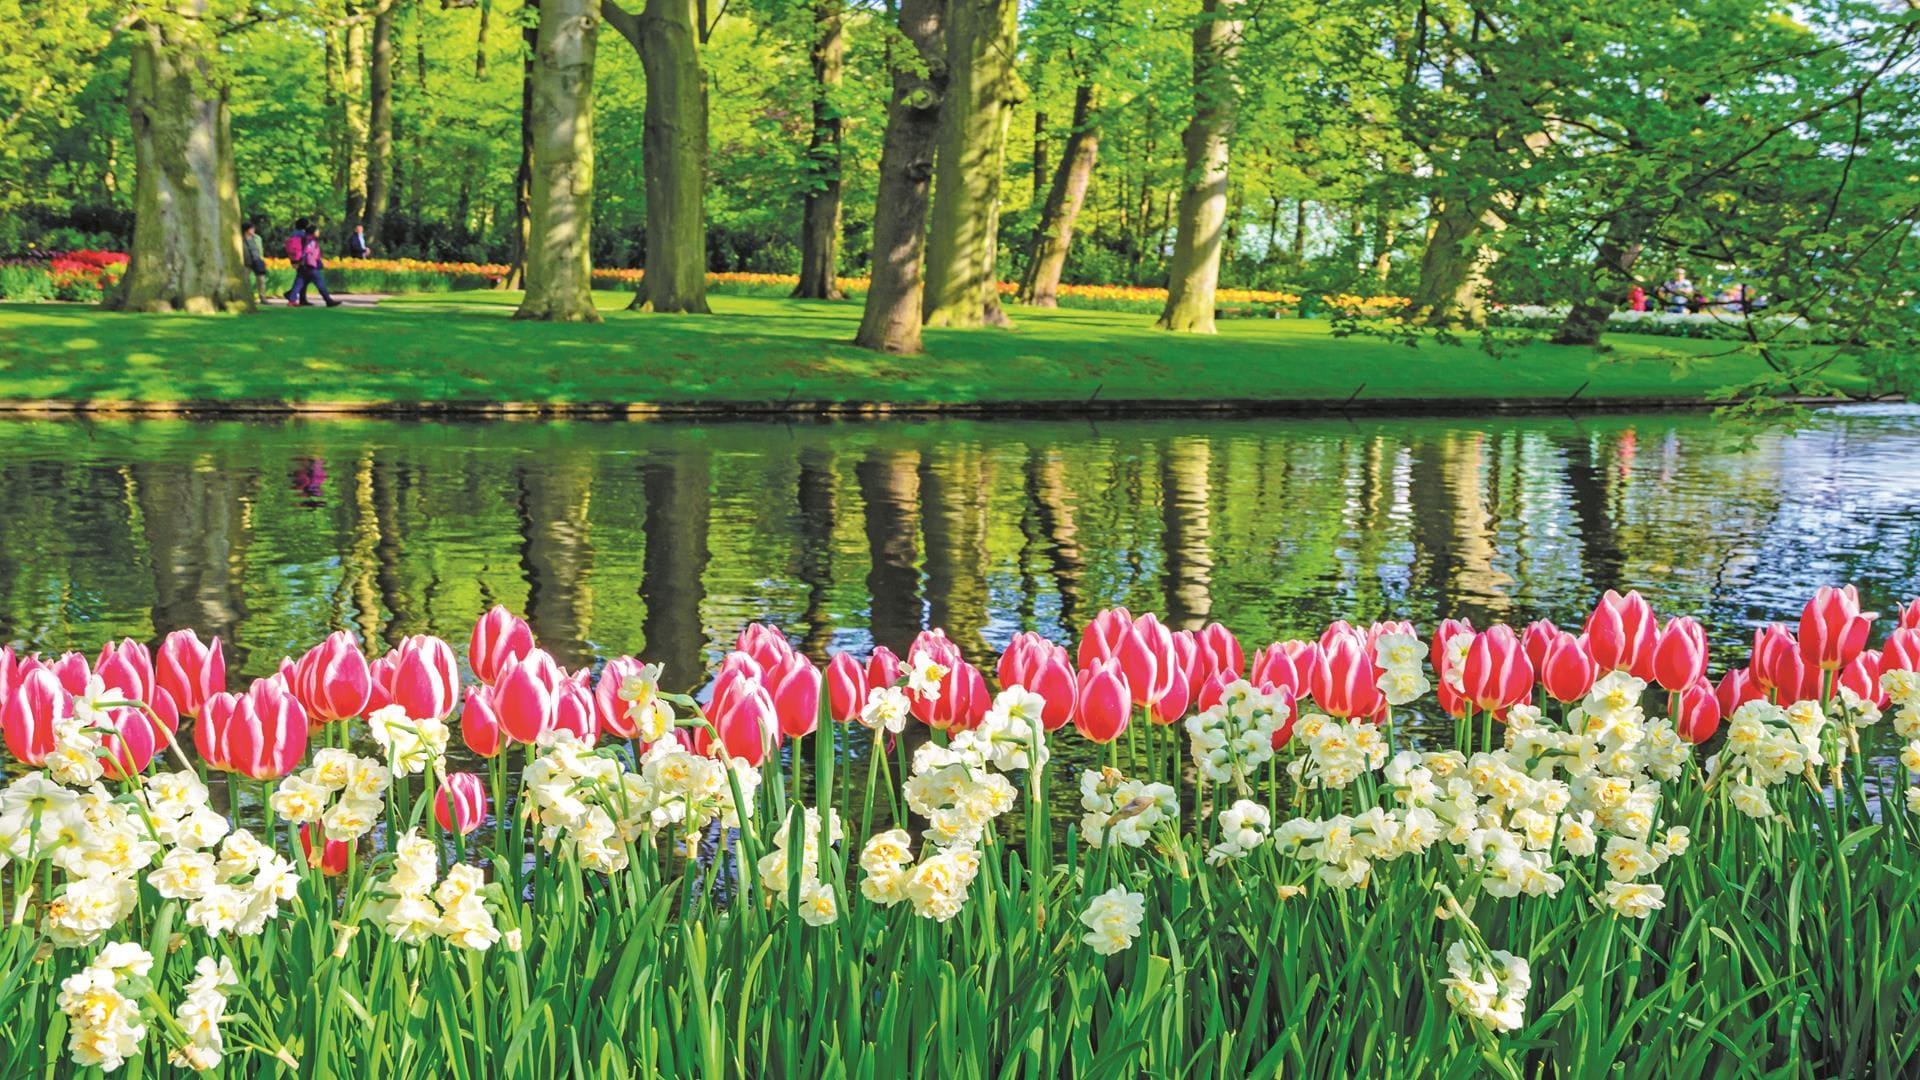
[{"x": 765, "y": 691}]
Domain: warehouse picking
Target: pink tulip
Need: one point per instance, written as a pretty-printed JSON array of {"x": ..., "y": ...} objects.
[
  {"x": 1222, "y": 649},
  {"x": 609, "y": 709},
  {"x": 846, "y": 688},
  {"x": 766, "y": 644},
  {"x": 883, "y": 668},
  {"x": 523, "y": 697},
  {"x": 1017, "y": 658},
  {"x": 72, "y": 671},
  {"x": 1737, "y": 687},
  {"x": 1833, "y": 630},
  {"x": 480, "y": 723},
  {"x": 1619, "y": 631},
  {"x": 333, "y": 681},
  {"x": 1697, "y": 715},
  {"x": 1171, "y": 705},
  {"x": 1567, "y": 671},
  {"x": 190, "y": 672},
  {"x": 1902, "y": 651},
  {"x": 573, "y": 707},
  {"x": 1105, "y": 703},
  {"x": 332, "y": 861},
  {"x": 498, "y": 636},
  {"x": 1283, "y": 665},
  {"x": 1909, "y": 615},
  {"x": 1680, "y": 654},
  {"x": 132, "y": 737},
  {"x": 795, "y": 686},
  {"x": 1495, "y": 674},
  {"x": 1861, "y": 676},
  {"x": 7, "y": 668},
  {"x": 266, "y": 733},
  {"x": 747, "y": 727},
  {"x": 1539, "y": 635},
  {"x": 1284, "y": 733},
  {"x": 1052, "y": 677},
  {"x": 1213, "y": 691},
  {"x": 1342, "y": 679},
  {"x": 1780, "y": 666},
  {"x": 127, "y": 669},
  {"x": 33, "y": 708},
  {"x": 425, "y": 679},
  {"x": 1101, "y": 640},
  {"x": 461, "y": 803},
  {"x": 963, "y": 700},
  {"x": 211, "y": 729},
  {"x": 738, "y": 675},
  {"x": 1442, "y": 634}
]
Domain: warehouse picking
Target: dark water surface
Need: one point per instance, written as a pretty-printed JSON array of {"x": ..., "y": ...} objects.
[{"x": 663, "y": 540}]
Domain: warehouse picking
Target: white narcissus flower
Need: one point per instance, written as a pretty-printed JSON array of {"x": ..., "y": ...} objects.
[
  {"x": 1113, "y": 920},
  {"x": 1489, "y": 988},
  {"x": 886, "y": 710},
  {"x": 1633, "y": 899},
  {"x": 924, "y": 674}
]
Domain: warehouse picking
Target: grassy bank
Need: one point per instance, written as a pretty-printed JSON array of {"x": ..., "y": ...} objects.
[{"x": 463, "y": 347}]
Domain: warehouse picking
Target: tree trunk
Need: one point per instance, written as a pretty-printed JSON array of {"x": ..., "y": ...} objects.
[
  {"x": 186, "y": 234},
  {"x": 523, "y": 176},
  {"x": 1039, "y": 153},
  {"x": 380, "y": 121},
  {"x": 1612, "y": 275},
  {"x": 1453, "y": 269},
  {"x": 335, "y": 125},
  {"x": 673, "y": 147},
  {"x": 820, "y": 222},
  {"x": 1195, "y": 272},
  {"x": 969, "y": 158},
  {"x": 1053, "y": 235},
  {"x": 1299, "y": 253},
  {"x": 559, "y": 261},
  {"x": 891, "y": 319},
  {"x": 353, "y": 86}
]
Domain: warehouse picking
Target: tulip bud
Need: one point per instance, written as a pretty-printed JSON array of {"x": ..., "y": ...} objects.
[
  {"x": 1680, "y": 654},
  {"x": 846, "y": 688},
  {"x": 211, "y": 730},
  {"x": 1619, "y": 631},
  {"x": 1861, "y": 677},
  {"x": 1495, "y": 674},
  {"x": 523, "y": 696},
  {"x": 480, "y": 723},
  {"x": 1172, "y": 704},
  {"x": 126, "y": 669},
  {"x": 1052, "y": 677},
  {"x": 1909, "y": 615},
  {"x": 1274, "y": 669},
  {"x": 333, "y": 681},
  {"x": 795, "y": 686},
  {"x": 1902, "y": 651},
  {"x": 1214, "y": 690},
  {"x": 72, "y": 671},
  {"x": 883, "y": 668},
  {"x": 1568, "y": 671},
  {"x": 1104, "y": 701},
  {"x": 1539, "y": 634},
  {"x": 1223, "y": 648},
  {"x": 1832, "y": 628},
  {"x": 1343, "y": 679},
  {"x": 1737, "y": 687},
  {"x": 1101, "y": 640},
  {"x": 498, "y": 636},
  {"x": 1696, "y": 715},
  {"x": 766, "y": 644},
  {"x": 573, "y": 708},
  {"x": 266, "y": 734},
  {"x": 133, "y": 737},
  {"x": 1779, "y": 665},
  {"x": 748, "y": 726},
  {"x": 1437, "y": 653},
  {"x": 333, "y": 857},
  {"x": 461, "y": 803},
  {"x": 425, "y": 679},
  {"x": 32, "y": 711},
  {"x": 1146, "y": 657}
]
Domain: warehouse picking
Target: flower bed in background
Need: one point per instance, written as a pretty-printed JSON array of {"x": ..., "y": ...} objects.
[
  {"x": 74, "y": 275},
  {"x": 510, "y": 869}
]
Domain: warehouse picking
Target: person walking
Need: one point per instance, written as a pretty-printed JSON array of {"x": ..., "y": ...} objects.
[
  {"x": 313, "y": 266},
  {"x": 296, "y": 251},
  {"x": 357, "y": 243},
  {"x": 255, "y": 257}
]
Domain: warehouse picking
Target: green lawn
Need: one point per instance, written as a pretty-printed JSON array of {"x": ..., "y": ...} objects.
[{"x": 463, "y": 347}]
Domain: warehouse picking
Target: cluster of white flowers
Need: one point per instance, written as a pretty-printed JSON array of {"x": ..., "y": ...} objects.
[
  {"x": 1337, "y": 751},
  {"x": 1244, "y": 826},
  {"x": 200, "y": 1012},
  {"x": 937, "y": 886},
  {"x": 1768, "y": 746},
  {"x": 1122, "y": 810},
  {"x": 958, "y": 796},
  {"x": 418, "y": 905},
  {"x": 105, "y": 1024},
  {"x": 591, "y": 800},
  {"x": 1235, "y": 737},
  {"x": 239, "y": 892},
  {"x": 1489, "y": 989},
  {"x": 1903, "y": 695},
  {"x": 1008, "y": 734},
  {"x": 650, "y": 714},
  {"x": 1113, "y": 920},
  {"x": 340, "y": 790},
  {"x": 1399, "y": 658},
  {"x": 818, "y": 905},
  {"x": 412, "y": 745}
]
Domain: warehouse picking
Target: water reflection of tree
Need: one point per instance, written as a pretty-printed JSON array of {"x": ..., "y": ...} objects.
[
  {"x": 676, "y": 481},
  {"x": 890, "y": 493},
  {"x": 815, "y": 502},
  {"x": 196, "y": 536},
  {"x": 1186, "y": 513},
  {"x": 1058, "y": 533},
  {"x": 556, "y": 554},
  {"x": 954, "y": 481}
]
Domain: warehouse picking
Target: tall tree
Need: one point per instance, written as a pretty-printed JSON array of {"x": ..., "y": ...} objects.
[
  {"x": 353, "y": 105},
  {"x": 559, "y": 258},
  {"x": 516, "y": 277},
  {"x": 891, "y": 319},
  {"x": 1195, "y": 270},
  {"x": 982, "y": 85},
  {"x": 820, "y": 221},
  {"x": 1052, "y": 237},
  {"x": 668, "y": 36},
  {"x": 186, "y": 236},
  {"x": 380, "y": 120}
]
